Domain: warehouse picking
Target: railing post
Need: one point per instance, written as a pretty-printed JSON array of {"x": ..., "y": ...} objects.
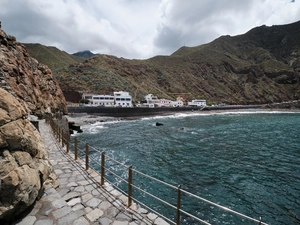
[
  {"x": 102, "y": 167},
  {"x": 62, "y": 139},
  {"x": 178, "y": 205},
  {"x": 75, "y": 148},
  {"x": 86, "y": 156},
  {"x": 129, "y": 186},
  {"x": 58, "y": 134},
  {"x": 68, "y": 146}
]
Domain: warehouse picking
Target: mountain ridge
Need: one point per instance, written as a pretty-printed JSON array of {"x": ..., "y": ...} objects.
[{"x": 259, "y": 67}]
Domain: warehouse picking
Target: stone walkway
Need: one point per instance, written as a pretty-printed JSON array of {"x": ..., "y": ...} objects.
[{"x": 80, "y": 199}]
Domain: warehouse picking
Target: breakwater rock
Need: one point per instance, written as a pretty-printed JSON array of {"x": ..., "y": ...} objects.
[{"x": 24, "y": 163}]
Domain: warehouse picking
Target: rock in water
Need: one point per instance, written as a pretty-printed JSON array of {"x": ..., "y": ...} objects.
[{"x": 24, "y": 161}]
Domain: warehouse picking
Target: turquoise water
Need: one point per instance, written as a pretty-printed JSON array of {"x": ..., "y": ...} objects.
[{"x": 248, "y": 162}]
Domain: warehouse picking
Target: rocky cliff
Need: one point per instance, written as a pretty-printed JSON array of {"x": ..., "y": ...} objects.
[
  {"x": 29, "y": 81},
  {"x": 26, "y": 87},
  {"x": 24, "y": 163}
]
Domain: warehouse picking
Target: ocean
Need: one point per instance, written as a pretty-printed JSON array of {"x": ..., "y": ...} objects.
[{"x": 246, "y": 161}]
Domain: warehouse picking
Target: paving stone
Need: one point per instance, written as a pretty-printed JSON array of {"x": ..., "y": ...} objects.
[
  {"x": 62, "y": 180},
  {"x": 67, "y": 167},
  {"x": 36, "y": 208},
  {"x": 117, "y": 203},
  {"x": 88, "y": 209},
  {"x": 71, "y": 195},
  {"x": 77, "y": 207},
  {"x": 133, "y": 223},
  {"x": 108, "y": 188},
  {"x": 70, "y": 218},
  {"x": 50, "y": 191},
  {"x": 104, "y": 205},
  {"x": 89, "y": 188},
  {"x": 65, "y": 175},
  {"x": 81, "y": 221},
  {"x": 160, "y": 221},
  {"x": 112, "y": 212},
  {"x": 94, "y": 214},
  {"x": 63, "y": 191},
  {"x": 124, "y": 216},
  {"x": 72, "y": 184},
  {"x": 105, "y": 221},
  {"x": 96, "y": 192},
  {"x": 29, "y": 220},
  {"x": 120, "y": 223},
  {"x": 58, "y": 172},
  {"x": 51, "y": 197},
  {"x": 44, "y": 222},
  {"x": 86, "y": 197},
  {"x": 61, "y": 212},
  {"x": 59, "y": 203},
  {"x": 79, "y": 189},
  {"x": 46, "y": 209},
  {"x": 142, "y": 211},
  {"x": 80, "y": 178},
  {"x": 115, "y": 193},
  {"x": 152, "y": 216},
  {"x": 84, "y": 182},
  {"x": 133, "y": 207},
  {"x": 74, "y": 201},
  {"x": 72, "y": 179},
  {"x": 124, "y": 199},
  {"x": 94, "y": 202}
]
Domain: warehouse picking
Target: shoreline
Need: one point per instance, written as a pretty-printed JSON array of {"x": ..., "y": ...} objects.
[{"x": 81, "y": 119}]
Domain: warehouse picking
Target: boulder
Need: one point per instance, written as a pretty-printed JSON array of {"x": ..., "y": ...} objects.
[{"x": 24, "y": 161}]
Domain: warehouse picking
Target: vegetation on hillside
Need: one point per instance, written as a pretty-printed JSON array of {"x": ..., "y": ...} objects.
[
  {"x": 261, "y": 66},
  {"x": 51, "y": 56}
]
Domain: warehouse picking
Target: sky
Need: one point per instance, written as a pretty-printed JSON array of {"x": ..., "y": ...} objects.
[{"x": 138, "y": 29}]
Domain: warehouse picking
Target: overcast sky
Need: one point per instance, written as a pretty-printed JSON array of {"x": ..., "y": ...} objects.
[{"x": 138, "y": 29}]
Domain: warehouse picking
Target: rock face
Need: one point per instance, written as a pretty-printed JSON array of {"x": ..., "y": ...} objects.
[
  {"x": 26, "y": 86},
  {"x": 24, "y": 164},
  {"x": 29, "y": 81}
]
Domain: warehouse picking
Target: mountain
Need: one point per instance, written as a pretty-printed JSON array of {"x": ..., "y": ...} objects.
[
  {"x": 84, "y": 54},
  {"x": 258, "y": 67},
  {"x": 52, "y": 56}
]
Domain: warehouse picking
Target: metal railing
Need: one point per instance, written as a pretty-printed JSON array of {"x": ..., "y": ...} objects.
[{"x": 63, "y": 137}]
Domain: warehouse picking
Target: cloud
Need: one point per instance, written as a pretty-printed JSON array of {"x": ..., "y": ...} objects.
[{"x": 137, "y": 28}]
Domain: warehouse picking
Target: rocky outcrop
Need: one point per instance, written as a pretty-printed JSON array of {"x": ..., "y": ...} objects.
[
  {"x": 29, "y": 81},
  {"x": 24, "y": 163}
]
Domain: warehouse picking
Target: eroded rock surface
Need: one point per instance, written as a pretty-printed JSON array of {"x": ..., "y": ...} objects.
[
  {"x": 24, "y": 164},
  {"x": 29, "y": 81}
]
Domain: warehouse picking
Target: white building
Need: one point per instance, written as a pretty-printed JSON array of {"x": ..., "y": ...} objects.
[
  {"x": 123, "y": 99},
  {"x": 150, "y": 97},
  {"x": 154, "y": 101},
  {"x": 103, "y": 100},
  {"x": 87, "y": 96},
  {"x": 197, "y": 103}
]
